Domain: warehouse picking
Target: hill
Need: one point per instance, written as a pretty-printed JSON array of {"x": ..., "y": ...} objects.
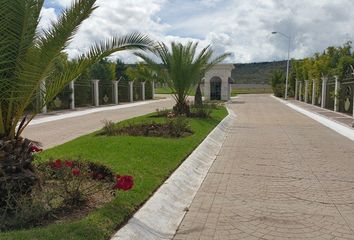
[{"x": 256, "y": 73}]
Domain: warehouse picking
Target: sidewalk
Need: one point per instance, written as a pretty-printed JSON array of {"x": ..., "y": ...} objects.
[
  {"x": 335, "y": 116},
  {"x": 279, "y": 175},
  {"x": 58, "y": 128}
]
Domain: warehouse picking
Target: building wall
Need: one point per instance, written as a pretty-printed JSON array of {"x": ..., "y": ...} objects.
[{"x": 222, "y": 71}]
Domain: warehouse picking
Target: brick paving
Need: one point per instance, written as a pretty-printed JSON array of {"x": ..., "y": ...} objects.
[{"x": 279, "y": 175}]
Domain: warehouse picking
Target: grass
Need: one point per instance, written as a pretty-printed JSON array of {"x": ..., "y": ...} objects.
[
  {"x": 163, "y": 90},
  {"x": 167, "y": 90},
  {"x": 149, "y": 160},
  {"x": 237, "y": 91}
]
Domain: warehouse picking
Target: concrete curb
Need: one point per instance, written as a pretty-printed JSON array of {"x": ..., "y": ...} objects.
[
  {"x": 339, "y": 128},
  {"x": 162, "y": 214}
]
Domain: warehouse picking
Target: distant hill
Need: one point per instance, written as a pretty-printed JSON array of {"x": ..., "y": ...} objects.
[{"x": 256, "y": 73}]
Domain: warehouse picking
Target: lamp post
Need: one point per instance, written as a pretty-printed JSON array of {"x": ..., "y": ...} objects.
[{"x": 287, "y": 65}]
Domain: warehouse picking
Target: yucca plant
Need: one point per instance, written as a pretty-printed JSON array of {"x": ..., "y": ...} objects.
[
  {"x": 183, "y": 67},
  {"x": 27, "y": 57}
]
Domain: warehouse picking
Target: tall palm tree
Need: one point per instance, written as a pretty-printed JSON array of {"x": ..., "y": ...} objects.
[
  {"x": 184, "y": 68},
  {"x": 27, "y": 57}
]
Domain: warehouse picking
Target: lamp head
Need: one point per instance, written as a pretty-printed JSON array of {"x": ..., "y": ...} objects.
[{"x": 274, "y": 32}]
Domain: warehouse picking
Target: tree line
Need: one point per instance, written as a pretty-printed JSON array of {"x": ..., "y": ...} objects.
[{"x": 333, "y": 61}]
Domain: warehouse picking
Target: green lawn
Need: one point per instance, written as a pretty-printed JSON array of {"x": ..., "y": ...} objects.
[
  {"x": 167, "y": 90},
  {"x": 237, "y": 91},
  {"x": 163, "y": 90},
  {"x": 149, "y": 160}
]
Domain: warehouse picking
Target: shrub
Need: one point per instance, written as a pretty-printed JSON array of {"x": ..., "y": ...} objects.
[
  {"x": 162, "y": 112},
  {"x": 279, "y": 90},
  {"x": 202, "y": 111},
  {"x": 278, "y": 83},
  {"x": 64, "y": 186},
  {"x": 109, "y": 128},
  {"x": 178, "y": 126},
  {"x": 172, "y": 127},
  {"x": 74, "y": 181}
]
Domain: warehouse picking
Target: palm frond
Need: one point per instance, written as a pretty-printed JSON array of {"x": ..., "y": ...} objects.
[{"x": 27, "y": 56}]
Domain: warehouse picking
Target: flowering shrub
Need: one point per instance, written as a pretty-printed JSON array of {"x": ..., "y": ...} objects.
[
  {"x": 63, "y": 187},
  {"x": 75, "y": 181},
  {"x": 35, "y": 149}
]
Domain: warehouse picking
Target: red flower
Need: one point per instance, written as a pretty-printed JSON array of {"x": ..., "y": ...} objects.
[
  {"x": 124, "y": 183},
  {"x": 35, "y": 149},
  {"x": 76, "y": 172},
  {"x": 69, "y": 164},
  {"x": 57, "y": 164}
]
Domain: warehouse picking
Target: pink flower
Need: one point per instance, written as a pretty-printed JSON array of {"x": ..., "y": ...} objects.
[
  {"x": 35, "y": 149},
  {"x": 124, "y": 183},
  {"x": 57, "y": 164},
  {"x": 69, "y": 164},
  {"x": 76, "y": 172}
]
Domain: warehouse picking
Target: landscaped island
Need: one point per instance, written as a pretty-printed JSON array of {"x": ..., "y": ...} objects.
[{"x": 149, "y": 159}]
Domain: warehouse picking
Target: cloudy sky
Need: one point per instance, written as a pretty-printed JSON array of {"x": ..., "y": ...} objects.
[{"x": 242, "y": 27}]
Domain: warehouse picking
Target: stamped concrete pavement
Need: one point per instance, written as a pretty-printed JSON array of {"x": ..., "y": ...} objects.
[{"x": 279, "y": 175}]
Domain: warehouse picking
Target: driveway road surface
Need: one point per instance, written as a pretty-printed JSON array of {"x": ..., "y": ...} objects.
[
  {"x": 57, "y": 132},
  {"x": 279, "y": 175}
]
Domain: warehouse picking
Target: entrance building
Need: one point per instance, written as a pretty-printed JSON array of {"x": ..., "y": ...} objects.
[{"x": 217, "y": 82}]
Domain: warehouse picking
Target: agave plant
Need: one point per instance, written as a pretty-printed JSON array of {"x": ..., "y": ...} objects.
[
  {"x": 184, "y": 68},
  {"x": 27, "y": 57}
]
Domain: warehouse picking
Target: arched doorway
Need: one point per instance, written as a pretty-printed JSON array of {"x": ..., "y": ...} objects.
[{"x": 215, "y": 88}]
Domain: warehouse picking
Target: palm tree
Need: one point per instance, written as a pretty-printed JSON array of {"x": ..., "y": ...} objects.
[
  {"x": 143, "y": 72},
  {"x": 27, "y": 58},
  {"x": 184, "y": 68}
]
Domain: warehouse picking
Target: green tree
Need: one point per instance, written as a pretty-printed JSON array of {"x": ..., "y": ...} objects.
[
  {"x": 144, "y": 73},
  {"x": 183, "y": 68},
  {"x": 105, "y": 71},
  {"x": 121, "y": 75},
  {"x": 120, "y": 69},
  {"x": 27, "y": 60},
  {"x": 278, "y": 83}
]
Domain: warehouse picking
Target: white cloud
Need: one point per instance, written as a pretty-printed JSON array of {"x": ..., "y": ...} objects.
[
  {"x": 62, "y": 3},
  {"x": 240, "y": 27},
  {"x": 48, "y": 16}
]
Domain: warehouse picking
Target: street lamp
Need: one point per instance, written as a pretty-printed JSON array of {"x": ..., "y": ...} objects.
[{"x": 287, "y": 65}]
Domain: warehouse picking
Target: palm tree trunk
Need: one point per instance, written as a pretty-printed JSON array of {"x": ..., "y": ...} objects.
[
  {"x": 181, "y": 108},
  {"x": 198, "y": 100}
]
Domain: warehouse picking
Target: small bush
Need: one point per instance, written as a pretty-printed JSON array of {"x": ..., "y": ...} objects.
[
  {"x": 202, "y": 111},
  {"x": 172, "y": 127},
  {"x": 279, "y": 90},
  {"x": 162, "y": 112},
  {"x": 63, "y": 187},
  {"x": 109, "y": 127},
  {"x": 178, "y": 126}
]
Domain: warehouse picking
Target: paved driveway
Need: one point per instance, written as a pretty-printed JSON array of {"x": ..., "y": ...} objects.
[
  {"x": 279, "y": 175},
  {"x": 57, "y": 132}
]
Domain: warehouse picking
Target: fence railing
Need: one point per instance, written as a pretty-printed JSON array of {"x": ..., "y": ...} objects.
[
  {"x": 97, "y": 93},
  {"x": 330, "y": 93}
]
